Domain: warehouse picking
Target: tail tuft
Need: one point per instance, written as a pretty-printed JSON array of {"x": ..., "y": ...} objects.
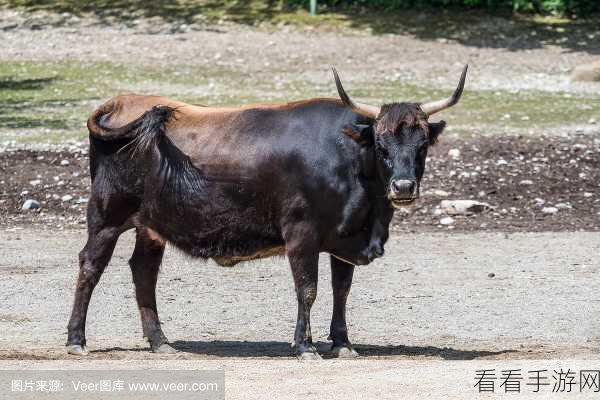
[{"x": 149, "y": 128}]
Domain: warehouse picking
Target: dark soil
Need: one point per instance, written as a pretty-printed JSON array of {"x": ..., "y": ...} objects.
[{"x": 490, "y": 169}]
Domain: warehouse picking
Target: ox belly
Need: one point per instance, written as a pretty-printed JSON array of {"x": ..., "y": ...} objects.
[{"x": 224, "y": 261}]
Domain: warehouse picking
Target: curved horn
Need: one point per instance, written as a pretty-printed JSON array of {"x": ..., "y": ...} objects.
[
  {"x": 360, "y": 108},
  {"x": 432, "y": 107}
]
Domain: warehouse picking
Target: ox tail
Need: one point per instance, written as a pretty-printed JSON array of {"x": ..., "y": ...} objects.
[{"x": 144, "y": 131}]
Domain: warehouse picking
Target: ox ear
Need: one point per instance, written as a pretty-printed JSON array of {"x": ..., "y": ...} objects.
[
  {"x": 435, "y": 129},
  {"x": 361, "y": 134}
]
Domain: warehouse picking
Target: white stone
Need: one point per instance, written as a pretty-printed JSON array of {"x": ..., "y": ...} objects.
[
  {"x": 67, "y": 197},
  {"x": 454, "y": 153},
  {"x": 463, "y": 207},
  {"x": 64, "y": 162},
  {"x": 563, "y": 206},
  {"x": 549, "y": 210},
  {"x": 35, "y": 182},
  {"x": 526, "y": 182},
  {"x": 447, "y": 221},
  {"x": 30, "y": 204}
]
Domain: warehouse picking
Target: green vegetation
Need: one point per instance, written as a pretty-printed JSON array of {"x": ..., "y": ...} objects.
[
  {"x": 50, "y": 102},
  {"x": 566, "y": 7}
]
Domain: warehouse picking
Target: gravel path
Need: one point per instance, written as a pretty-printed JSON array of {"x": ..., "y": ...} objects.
[
  {"x": 306, "y": 53},
  {"x": 431, "y": 296}
]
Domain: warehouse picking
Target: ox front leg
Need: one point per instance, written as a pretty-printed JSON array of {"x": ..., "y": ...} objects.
[
  {"x": 145, "y": 264},
  {"x": 303, "y": 254},
  {"x": 341, "y": 280}
]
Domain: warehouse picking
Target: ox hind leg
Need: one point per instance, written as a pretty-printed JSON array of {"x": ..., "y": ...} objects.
[
  {"x": 303, "y": 254},
  {"x": 102, "y": 238},
  {"x": 145, "y": 263},
  {"x": 341, "y": 280}
]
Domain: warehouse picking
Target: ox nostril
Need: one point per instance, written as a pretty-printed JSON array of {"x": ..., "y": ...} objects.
[{"x": 403, "y": 187}]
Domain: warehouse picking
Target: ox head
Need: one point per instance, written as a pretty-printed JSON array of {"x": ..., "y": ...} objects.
[{"x": 400, "y": 134}]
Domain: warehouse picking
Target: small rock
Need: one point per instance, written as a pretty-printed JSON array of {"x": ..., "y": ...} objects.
[
  {"x": 592, "y": 121},
  {"x": 65, "y": 162},
  {"x": 30, "y": 204},
  {"x": 441, "y": 193},
  {"x": 563, "y": 206},
  {"x": 454, "y": 153},
  {"x": 526, "y": 182},
  {"x": 549, "y": 210},
  {"x": 587, "y": 72},
  {"x": 491, "y": 275},
  {"x": 35, "y": 182},
  {"x": 67, "y": 197},
  {"x": 447, "y": 221},
  {"x": 463, "y": 207}
]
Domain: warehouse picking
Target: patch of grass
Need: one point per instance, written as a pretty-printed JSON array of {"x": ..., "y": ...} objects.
[
  {"x": 50, "y": 102},
  {"x": 495, "y": 111},
  {"x": 37, "y": 98}
]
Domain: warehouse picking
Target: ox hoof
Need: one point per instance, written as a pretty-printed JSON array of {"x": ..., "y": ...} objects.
[
  {"x": 344, "y": 352},
  {"x": 308, "y": 355},
  {"x": 77, "y": 350},
  {"x": 164, "y": 348}
]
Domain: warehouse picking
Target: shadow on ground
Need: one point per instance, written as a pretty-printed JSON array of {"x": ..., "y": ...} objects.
[
  {"x": 475, "y": 28},
  {"x": 25, "y": 84},
  {"x": 220, "y": 348},
  {"x": 478, "y": 29}
]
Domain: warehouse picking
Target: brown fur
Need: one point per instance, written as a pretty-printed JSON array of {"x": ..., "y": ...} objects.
[{"x": 394, "y": 116}]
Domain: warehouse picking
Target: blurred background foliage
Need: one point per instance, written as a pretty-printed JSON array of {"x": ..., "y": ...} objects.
[
  {"x": 570, "y": 8},
  {"x": 564, "y": 7}
]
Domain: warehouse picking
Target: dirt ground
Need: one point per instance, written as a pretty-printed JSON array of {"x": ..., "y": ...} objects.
[
  {"x": 517, "y": 176},
  {"x": 504, "y": 55},
  {"x": 433, "y": 296}
]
